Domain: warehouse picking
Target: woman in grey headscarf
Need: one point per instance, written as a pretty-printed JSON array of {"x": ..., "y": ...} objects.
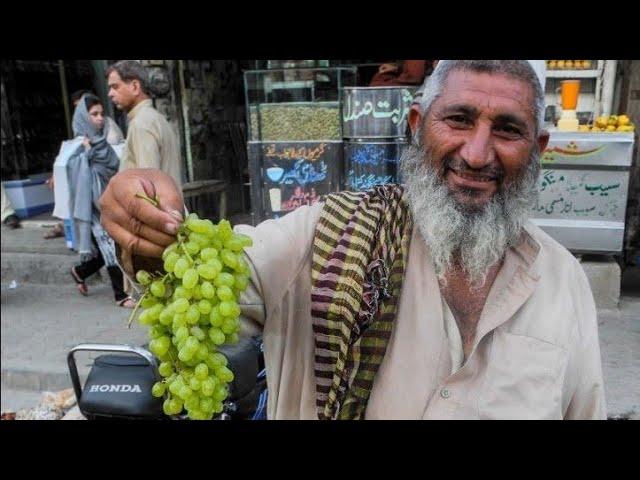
[{"x": 89, "y": 169}]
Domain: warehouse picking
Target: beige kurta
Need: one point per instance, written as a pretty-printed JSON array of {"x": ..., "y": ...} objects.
[
  {"x": 536, "y": 354},
  {"x": 151, "y": 142}
]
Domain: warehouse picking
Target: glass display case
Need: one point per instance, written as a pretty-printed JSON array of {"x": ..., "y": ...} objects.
[
  {"x": 294, "y": 136},
  {"x": 296, "y": 104},
  {"x": 287, "y": 175}
]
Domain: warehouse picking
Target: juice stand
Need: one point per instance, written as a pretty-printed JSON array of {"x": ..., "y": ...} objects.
[{"x": 584, "y": 181}]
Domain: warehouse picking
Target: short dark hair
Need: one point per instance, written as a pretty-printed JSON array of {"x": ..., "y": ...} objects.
[
  {"x": 77, "y": 95},
  {"x": 90, "y": 100},
  {"x": 131, "y": 70}
]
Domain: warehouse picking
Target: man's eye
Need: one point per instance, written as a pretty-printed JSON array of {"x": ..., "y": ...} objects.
[
  {"x": 458, "y": 119},
  {"x": 509, "y": 129}
]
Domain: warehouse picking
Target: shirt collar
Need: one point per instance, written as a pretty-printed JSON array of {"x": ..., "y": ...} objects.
[{"x": 134, "y": 111}]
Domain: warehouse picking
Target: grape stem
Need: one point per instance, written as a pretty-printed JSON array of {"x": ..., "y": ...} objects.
[{"x": 135, "y": 310}]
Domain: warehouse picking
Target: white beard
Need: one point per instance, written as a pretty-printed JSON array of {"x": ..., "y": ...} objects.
[{"x": 472, "y": 240}]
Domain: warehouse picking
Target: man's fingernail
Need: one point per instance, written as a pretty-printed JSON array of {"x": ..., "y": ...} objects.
[
  {"x": 171, "y": 228},
  {"x": 176, "y": 214}
]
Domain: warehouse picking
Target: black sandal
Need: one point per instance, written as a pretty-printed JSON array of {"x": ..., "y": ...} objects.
[{"x": 82, "y": 287}]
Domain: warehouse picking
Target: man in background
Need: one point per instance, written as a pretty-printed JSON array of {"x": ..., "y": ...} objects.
[{"x": 151, "y": 142}]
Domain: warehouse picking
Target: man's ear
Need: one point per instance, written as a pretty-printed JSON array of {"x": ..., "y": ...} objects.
[
  {"x": 415, "y": 119},
  {"x": 135, "y": 86},
  {"x": 543, "y": 141}
]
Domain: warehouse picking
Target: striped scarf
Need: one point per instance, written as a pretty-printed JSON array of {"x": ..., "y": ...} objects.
[{"x": 359, "y": 253}]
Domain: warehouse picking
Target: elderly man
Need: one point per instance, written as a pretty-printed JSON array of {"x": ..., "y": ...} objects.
[
  {"x": 435, "y": 300},
  {"x": 151, "y": 142}
]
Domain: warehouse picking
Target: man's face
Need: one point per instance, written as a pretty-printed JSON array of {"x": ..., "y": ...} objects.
[
  {"x": 122, "y": 94},
  {"x": 480, "y": 132}
]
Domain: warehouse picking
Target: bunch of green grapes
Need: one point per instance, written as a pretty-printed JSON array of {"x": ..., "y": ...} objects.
[{"x": 191, "y": 310}]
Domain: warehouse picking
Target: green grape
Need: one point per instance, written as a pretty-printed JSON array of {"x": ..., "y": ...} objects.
[
  {"x": 207, "y": 404},
  {"x": 190, "y": 278},
  {"x": 218, "y": 407},
  {"x": 182, "y": 292},
  {"x": 229, "y": 258},
  {"x": 143, "y": 277},
  {"x": 233, "y": 338},
  {"x": 182, "y": 265},
  {"x": 148, "y": 301},
  {"x": 202, "y": 371},
  {"x": 195, "y": 384},
  {"x": 185, "y": 355},
  {"x": 200, "y": 238},
  {"x": 195, "y": 225},
  {"x": 174, "y": 387},
  {"x": 243, "y": 266},
  {"x": 215, "y": 317},
  {"x": 207, "y": 290},
  {"x": 217, "y": 264},
  {"x": 228, "y": 327},
  {"x": 219, "y": 359},
  {"x": 156, "y": 331},
  {"x": 158, "y": 389},
  {"x": 208, "y": 253},
  {"x": 144, "y": 318},
  {"x": 166, "y": 407},
  {"x": 170, "y": 262},
  {"x": 245, "y": 240},
  {"x": 207, "y": 387},
  {"x": 157, "y": 289},
  {"x": 165, "y": 369},
  {"x": 192, "y": 247},
  {"x": 192, "y": 343},
  {"x": 220, "y": 393},
  {"x": 185, "y": 392},
  {"x": 192, "y": 315},
  {"x": 198, "y": 333},
  {"x": 216, "y": 243},
  {"x": 155, "y": 311},
  {"x": 241, "y": 282},
  {"x": 225, "y": 293},
  {"x": 204, "y": 306},
  {"x": 175, "y": 405},
  {"x": 197, "y": 292},
  {"x": 192, "y": 403},
  {"x": 179, "y": 320},
  {"x": 224, "y": 279},
  {"x": 203, "y": 351},
  {"x": 170, "y": 249},
  {"x": 224, "y": 230},
  {"x": 182, "y": 332},
  {"x": 224, "y": 374},
  {"x": 207, "y": 271},
  {"x": 233, "y": 244},
  {"x": 230, "y": 309},
  {"x": 216, "y": 335},
  {"x": 181, "y": 305}
]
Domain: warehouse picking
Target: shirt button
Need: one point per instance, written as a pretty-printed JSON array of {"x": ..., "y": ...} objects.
[{"x": 445, "y": 393}]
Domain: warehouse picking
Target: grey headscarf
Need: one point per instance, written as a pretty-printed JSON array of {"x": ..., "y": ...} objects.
[{"x": 89, "y": 172}]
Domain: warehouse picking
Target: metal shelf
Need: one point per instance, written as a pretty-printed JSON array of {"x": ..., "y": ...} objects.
[{"x": 573, "y": 73}]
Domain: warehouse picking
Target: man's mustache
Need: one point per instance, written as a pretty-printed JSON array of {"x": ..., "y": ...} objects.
[{"x": 460, "y": 166}]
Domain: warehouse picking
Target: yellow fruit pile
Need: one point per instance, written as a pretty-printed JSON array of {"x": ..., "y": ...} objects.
[
  {"x": 569, "y": 64},
  {"x": 610, "y": 123}
]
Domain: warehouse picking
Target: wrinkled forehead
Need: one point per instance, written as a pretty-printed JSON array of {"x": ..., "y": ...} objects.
[{"x": 488, "y": 93}]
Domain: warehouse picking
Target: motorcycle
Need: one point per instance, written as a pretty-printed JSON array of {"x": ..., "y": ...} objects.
[{"x": 119, "y": 383}]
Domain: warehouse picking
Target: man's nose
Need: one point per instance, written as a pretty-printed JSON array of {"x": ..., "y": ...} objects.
[{"x": 478, "y": 150}]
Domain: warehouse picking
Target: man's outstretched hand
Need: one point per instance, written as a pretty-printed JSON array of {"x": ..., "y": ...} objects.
[{"x": 137, "y": 226}]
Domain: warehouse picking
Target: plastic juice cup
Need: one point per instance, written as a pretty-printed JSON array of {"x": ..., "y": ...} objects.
[{"x": 570, "y": 89}]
